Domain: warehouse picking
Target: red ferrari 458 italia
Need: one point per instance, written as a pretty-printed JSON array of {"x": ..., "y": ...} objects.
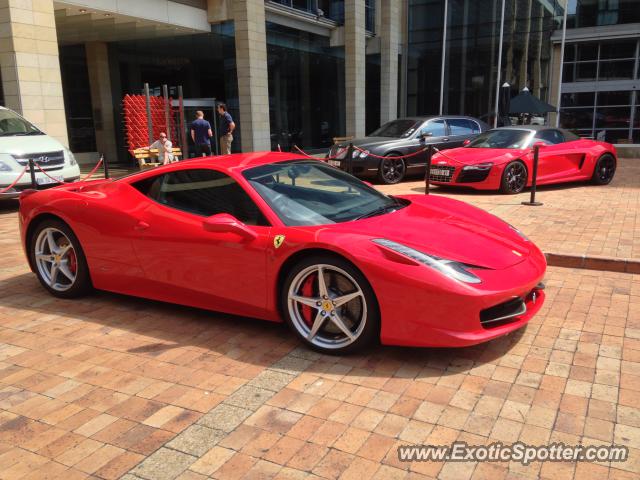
[
  {"x": 283, "y": 238},
  {"x": 502, "y": 159}
]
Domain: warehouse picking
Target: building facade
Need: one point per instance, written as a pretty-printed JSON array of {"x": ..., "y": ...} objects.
[{"x": 301, "y": 72}]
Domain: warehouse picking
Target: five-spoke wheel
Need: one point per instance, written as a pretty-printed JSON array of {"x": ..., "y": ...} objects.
[
  {"x": 58, "y": 259},
  {"x": 330, "y": 305}
]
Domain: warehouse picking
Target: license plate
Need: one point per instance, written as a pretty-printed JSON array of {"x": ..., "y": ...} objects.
[
  {"x": 47, "y": 181},
  {"x": 440, "y": 172},
  {"x": 334, "y": 163}
]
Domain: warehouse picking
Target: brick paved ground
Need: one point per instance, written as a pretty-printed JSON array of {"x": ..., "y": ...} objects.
[
  {"x": 577, "y": 219},
  {"x": 109, "y": 385}
]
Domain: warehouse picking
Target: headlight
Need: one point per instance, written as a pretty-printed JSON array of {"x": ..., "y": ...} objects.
[
  {"x": 480, "y": 166},
  {"x": 364, "y": 153},
  {"x": 72, "y": 158},
  {"x": 449, "y": 268},
  {"x": 5, "y": 167},
  {"x": 342, "y": 152},
  {"x": 355, "y": 153},
  {"x": 522, "y": 235}
]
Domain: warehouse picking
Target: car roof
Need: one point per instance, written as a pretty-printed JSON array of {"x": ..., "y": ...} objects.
[
  {"x": 429, "y": 117},
  {"x": 531, "y": 128}
]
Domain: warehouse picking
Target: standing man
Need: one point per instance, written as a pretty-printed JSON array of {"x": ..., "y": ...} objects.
[
  {"x": 226, "y": 129},
  {"x": 201, "y": 135}
]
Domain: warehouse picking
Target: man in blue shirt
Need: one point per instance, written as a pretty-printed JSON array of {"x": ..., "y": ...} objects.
[
  {"x": 201, "y": 134},
  {"x": 226, "y": 129}
]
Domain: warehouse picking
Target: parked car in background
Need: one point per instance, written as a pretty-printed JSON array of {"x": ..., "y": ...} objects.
[
  {"x": 502, "y": 159},
  {"x": 401, "y": 137},
  {"x": 20, "y": 141}
]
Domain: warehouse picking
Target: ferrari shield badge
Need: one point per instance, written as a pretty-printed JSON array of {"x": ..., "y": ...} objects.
[{"x": 278, "y": 240}]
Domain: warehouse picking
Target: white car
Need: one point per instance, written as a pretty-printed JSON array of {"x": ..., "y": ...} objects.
[{"x": 21, "y": 141}]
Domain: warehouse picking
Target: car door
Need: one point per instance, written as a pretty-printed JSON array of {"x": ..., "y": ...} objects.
[
  {"x": 461, "y": 129},
  {"x": 220, "y": 271},
  {"x": 432, "y": 132},
  {"x": 557, "y": 159}
]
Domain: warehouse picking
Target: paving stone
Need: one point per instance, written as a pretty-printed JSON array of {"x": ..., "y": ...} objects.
[
  {"x": 225, "y": 417},
  {"x": 165, "y": 464},
  {"x": 249, "y": 397},
  {"x": 272, "y": 380},
  {"x": 196, "y": 440}
]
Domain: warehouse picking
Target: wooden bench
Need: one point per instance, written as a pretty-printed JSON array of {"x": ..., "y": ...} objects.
[
  {"x": 144, "y": 155},
  {"x": 337, "y": 140}
]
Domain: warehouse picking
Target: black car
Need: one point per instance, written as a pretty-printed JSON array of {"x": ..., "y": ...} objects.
[{"x": 401, "y": 137}]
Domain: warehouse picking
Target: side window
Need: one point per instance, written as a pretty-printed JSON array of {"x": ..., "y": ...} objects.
[
  {"x": 202, "y": 192},
  {"x": 437, "y": 128},
  {"x": 463, "y": 126},
  {"x": 552, "y": 137}
]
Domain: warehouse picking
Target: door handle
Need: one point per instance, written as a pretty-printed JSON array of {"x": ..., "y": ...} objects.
[
  {"x": 141, "y": 225},
  {"x": 445, "y": 139}
]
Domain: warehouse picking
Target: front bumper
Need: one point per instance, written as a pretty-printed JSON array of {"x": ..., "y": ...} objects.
[
  {"x": 488, "y": 179},
  {"x": 360, "y": 167},
  {"x": 67, "y": 172},
  {"x": 425, "y": 316}
]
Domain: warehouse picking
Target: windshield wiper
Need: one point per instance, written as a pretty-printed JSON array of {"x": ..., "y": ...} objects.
[{"x": 380, "y": 211}]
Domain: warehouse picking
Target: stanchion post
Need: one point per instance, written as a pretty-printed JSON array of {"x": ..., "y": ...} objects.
[
  {"x": 32, "y": 171},
  {"x": 534, "y": 180},
  {"x": 428, "y": 174},
  {"x": 350, "y": 159},
  {"x": 105, "y": 165}
]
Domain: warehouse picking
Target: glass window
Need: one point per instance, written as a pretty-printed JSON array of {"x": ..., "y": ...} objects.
[
  {"x": 313, "y": 193},
  {"x": 401, "y": 128},
  {"x": 462, "y": 126},
  {"x": 577, "y": 118},
  {"x": 582, "y": 99},
  {"x": 587, "y": 51},
  {"x": 550, "y": 136},
  {"x": 614, "y": 98},
  {"x": 616, "y": 70},
  {"x": 612, "y": 117},
  {"x": 202, "y": 192},
  {"x": 436, "y": 128},
  {"x": 618, "y": 49},
  {"x": 586, "y": 71},
  {"x": 507, "y": 138},
  {"x": 12, "y": 125}
]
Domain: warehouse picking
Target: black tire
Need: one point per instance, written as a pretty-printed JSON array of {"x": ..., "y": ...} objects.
[
  {"x": 514, "y": 178},
  {"x": 365, "y": 306},
  {"x": 392, "y": 170},
  {"x": 82, "y": 282},
  {"x": 604, "y": 170}
]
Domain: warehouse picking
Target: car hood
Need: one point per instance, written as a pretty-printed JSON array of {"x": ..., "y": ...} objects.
[
  {"x": 371, "y": 142},
  {"x": 24, "y": 145},
  {"x": 449, "y": 229},
  {"x": 473, "y": 156}
]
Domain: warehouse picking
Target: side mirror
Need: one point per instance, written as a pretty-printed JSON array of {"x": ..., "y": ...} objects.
[
  {"x": 225, "y": 223},
  {"x": 539, "y": 144},
  {"x": 425, "y": 134},
  {"x": 466, "y": 142}
]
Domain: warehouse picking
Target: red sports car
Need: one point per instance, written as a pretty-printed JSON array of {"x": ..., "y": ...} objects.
[
  {"x": 502, "y": 159},
  {"x": 280, "y": 237}
]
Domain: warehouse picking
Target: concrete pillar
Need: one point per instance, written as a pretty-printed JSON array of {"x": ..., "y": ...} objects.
[
  {"x": 253, "y": 80},
  {"x": 389, "y": 41},
  {"x": 354, "y": 66},
  {"x": 30, "y": 66},
  {"x": 102, "y": 99}
]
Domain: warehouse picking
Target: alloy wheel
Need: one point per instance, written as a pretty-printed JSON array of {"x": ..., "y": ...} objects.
[
  {"x": 606, "y": 169},
  {"x": 56, "y": 259},
  {"x": 393, "y": 170},
  {"x": 327, "y": 306}
]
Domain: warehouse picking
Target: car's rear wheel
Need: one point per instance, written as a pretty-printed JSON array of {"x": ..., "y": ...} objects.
[
  {"x": 330, "y": 305},
  {"x": 392, "y": 170},
  {"x": 58, "y": 259},
  {"x": 514, "y": 178},
  {"x": 605, "y": 170}
]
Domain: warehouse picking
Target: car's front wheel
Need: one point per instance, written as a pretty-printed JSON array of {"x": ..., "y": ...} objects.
[
  {"x": 330, "y": 305},
  {"x": 514, "y": 178},
  {"x": 58, "y": 259},
  {"x": 605, "y": 170},
  {"x": 392, "y": 170}
]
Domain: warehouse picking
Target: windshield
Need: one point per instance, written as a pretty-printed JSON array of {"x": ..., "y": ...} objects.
[
  {"x": 313, "y": 193},
  {"x": 508, "y": 138},
  {"x": 13, "y": 124},
  {"x": 397, "y": 128}
]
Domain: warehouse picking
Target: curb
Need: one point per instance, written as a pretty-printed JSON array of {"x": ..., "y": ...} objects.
[{"x": 605, "y": 264}]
